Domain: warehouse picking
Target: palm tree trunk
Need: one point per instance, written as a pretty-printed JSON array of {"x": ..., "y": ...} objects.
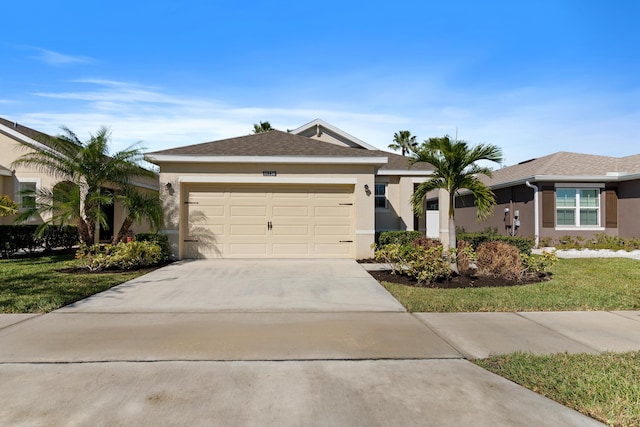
[
  {"x": 83, "y": 232},
  {"x": 452, "y": 245},
  {"x": 124, "y": 229}
]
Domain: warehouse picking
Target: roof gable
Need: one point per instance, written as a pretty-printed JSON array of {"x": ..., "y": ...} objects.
[{"x": 320, "y": 130}]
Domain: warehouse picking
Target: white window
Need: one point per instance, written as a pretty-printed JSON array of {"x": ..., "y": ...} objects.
[
  {"x": 381, "y": 196},
  {"x": 26, "y": 196},
  {"x": 578, "y": 207}
]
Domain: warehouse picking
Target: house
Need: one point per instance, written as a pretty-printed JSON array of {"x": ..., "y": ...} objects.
[
  {"x": 315, "y": 191},
  {"x": 14, "y": 181},
  {"x": 562, "y": 194}
]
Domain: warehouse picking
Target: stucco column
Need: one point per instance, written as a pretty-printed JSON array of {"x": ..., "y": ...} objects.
[{"x": 443, "y": 217}]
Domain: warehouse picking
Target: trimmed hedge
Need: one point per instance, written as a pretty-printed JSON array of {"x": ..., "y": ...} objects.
[
  {"x": 403, "y": 237},
  {"x": 14, "y": 238},
  {"x": 524, "y": 244}
]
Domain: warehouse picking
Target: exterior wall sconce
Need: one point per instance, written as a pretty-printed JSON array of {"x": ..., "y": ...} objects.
[
  {"x": 169, "y": 187},
  {"x": 367, "y": 190}
]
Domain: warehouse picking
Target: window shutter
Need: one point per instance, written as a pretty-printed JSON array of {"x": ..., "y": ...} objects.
[
  {"x": 548, "y": 208},
  {"x": 611, "y": 209}
]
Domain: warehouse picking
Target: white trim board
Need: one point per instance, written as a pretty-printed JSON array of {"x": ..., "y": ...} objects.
[{"x": 263, "y": 180}]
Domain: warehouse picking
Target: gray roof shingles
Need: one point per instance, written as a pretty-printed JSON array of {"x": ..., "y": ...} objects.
[
  {"x": 565, "y": 164},
  {"x": 278, "y": 143}
]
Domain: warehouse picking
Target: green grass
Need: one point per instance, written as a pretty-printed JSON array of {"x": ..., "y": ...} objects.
[
  {"x": 35, "y": 285},
  {"x": 605, "y": 387},
  {"x": 577, "y": 284}
]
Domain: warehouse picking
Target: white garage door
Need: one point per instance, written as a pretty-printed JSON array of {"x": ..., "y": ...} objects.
[{"x": 285, "y": 221}]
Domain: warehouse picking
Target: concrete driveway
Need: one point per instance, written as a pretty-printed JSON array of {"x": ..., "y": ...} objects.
[
  {"x": 251, "y": 342},
  {"x": 256, "y": 285}
]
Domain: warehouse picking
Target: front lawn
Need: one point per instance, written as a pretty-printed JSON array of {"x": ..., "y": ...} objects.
[
  {"x": 36, "y": 285},
  {"x": 577, "y": 284},
  {"x": 605, "y": 386}
]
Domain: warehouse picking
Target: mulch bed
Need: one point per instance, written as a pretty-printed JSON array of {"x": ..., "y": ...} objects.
[{"x": 464, "y": 280}]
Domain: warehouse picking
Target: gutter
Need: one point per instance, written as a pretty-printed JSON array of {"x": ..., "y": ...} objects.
[{"x": 536, "y": 212}]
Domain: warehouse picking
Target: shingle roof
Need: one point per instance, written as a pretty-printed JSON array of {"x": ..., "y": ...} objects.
[
  {"x": 568, "y": 165},
  {"x": 278, "y": 143},
  {"x": 26, "y": 131},
  {"x": 272, "y": 143}
]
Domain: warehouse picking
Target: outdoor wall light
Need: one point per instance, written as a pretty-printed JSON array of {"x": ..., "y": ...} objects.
[
  {"x": 168, "y": 186},
  {"x": 366, "y": 187}
]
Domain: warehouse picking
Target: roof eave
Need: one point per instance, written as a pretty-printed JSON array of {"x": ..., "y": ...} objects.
[
  {"x": 334, "y": 129},
  {"x": 403, "y": 172},
  {"x": 176, "y": 158}
]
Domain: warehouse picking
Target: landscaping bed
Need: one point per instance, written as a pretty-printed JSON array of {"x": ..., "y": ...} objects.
[{"x": 459, "y": 281}]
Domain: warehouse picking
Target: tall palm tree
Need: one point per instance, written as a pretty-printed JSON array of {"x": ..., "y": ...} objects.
[
  {"x": 88, "y": 168},
  {"x": 139, "y": 207},
  {"x": 455, "y": 169},
  {"x": 404, "y": 141},
  {"x": 262, "y": 127}
]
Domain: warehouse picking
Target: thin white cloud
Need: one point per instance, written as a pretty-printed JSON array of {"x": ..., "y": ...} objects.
[
  {"x": 526, "y": 123},
  {"x": 57, "y": 59}
]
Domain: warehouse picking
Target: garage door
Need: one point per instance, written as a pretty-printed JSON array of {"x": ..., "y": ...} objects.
[{"x": 285, "y": 221}]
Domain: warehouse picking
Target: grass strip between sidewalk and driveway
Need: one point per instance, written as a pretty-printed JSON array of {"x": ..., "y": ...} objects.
[
  {"x": 37, "y": 285},
  {"x": 577, "y": 284},
  {"x": 605, "y": 387}
]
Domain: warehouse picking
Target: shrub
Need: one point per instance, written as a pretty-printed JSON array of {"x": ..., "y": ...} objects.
[
  {"x": 14, "y": 238},
  {"x": 425, "y": 263},
  {"x": 124, "y": 256},
  {"x": 499, "y": 259},
  {"x": 466, "y": 255},
  {"x": 524, "y": 244},
  {"x": 60, "y": 237},
  {"x": 403, "y": 237},
  {"x": 161, "y": 240},
  {"x": 539, "y": 264}
]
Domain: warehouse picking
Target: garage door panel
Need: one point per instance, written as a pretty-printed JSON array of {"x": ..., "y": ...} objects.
[
  {"x": 257, "y": 230},
  {"x": 332, "y": 230},
  {"x": 332, "y": 211},
  {"x": 290, "y": 211},
  {"x": 252, "y": 211},
  {"x": 291, "y": 230},
  {"x": 306, "y": 221}
]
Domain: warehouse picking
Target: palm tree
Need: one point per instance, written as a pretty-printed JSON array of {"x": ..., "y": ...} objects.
[
  {"x": 139, "y": 207},
  {"x": 262, "y": 127},
  {"x": 86, "y": 168},
  {"x": 403, "y": 140},
  {"x": 455, "y": 169}
]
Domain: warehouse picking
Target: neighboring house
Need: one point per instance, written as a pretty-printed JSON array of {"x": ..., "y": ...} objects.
[
  {"x": 313, "y": 192},
  {"x": 13, "y": 182},
  {"x": 562, "y": 194}
]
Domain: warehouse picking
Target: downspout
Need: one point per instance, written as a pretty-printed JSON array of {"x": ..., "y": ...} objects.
[{"x": 536, "y": 213}]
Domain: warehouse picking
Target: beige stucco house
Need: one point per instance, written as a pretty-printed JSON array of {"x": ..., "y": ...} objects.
[
  {"x": 14, "y": 180},
  {"x": 315, "y": 191}
]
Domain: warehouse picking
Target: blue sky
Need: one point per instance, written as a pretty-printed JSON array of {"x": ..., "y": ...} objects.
[{"x": 531, "y": 77}]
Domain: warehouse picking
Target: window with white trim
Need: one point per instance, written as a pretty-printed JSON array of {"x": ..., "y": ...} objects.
[
  {"x": 578, "y": 207},
  {"x": 380, "y": 194},
  {"x": 26, "y": 197}
]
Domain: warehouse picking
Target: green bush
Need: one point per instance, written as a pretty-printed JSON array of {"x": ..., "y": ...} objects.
[
  {"x": 123, "y": 256},
  {"x": 60, "y": 237},
  {"x": 425, "y": 263},
  {"x": 524, "y": 244},
  {"x": 14, "y": 238},
  {"x": 539, "y": 264},
  {"x": 28, "y": 238},
  {"x": 403, "y": 237},
  {"x": 161, "y": 240}
]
